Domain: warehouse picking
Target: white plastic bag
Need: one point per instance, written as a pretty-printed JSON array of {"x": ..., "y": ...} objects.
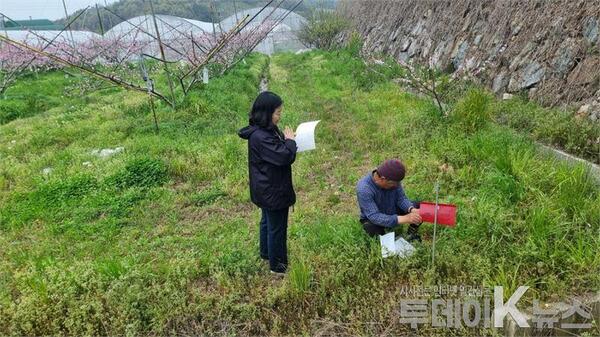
[{"x": 391, "y": 247}]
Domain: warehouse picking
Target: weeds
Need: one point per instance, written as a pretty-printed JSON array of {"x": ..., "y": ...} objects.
[
  {"x": 473, "y": 111},
  {"x": 142, "y": 172},
  {"x": 555, "y": 127}
]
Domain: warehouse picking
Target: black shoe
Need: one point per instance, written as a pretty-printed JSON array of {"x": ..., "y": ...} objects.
[
  {"x": 413, "y": 233},
  {"x": 277, "y": 274},
  {"x": 280, "y": 269},
  {"x": 414, "y": 237}
]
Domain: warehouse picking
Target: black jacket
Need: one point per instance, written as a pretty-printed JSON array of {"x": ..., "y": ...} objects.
[{"x": 270, "y": 159}]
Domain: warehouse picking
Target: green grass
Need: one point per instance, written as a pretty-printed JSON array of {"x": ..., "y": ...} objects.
[
  {"x": 555, "y": 127},
  {"x": 162, "y": 237},
  {"x": 37, "y": 93},
  {"x": 473, "y": 111}
]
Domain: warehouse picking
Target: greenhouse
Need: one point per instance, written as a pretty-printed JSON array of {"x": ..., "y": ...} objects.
[
  {"x": 282, "y": 38},
  {"x": 37, "y": 37},
  {"x": 182, "y": 38},
  {"x": 169, "y": 27},
  {"x": 174, "y": 31}
]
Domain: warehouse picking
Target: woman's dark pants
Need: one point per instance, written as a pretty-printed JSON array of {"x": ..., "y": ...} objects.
[{"x": 273, "y": 238}]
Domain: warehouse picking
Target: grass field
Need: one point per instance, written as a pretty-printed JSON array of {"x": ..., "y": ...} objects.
[{"x": 162, "y": 238}]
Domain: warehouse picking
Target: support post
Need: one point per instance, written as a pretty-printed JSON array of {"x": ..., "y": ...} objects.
[
  {"x": 100, "y": 20},
  {"x": 67, "y": 18},
  {"x": 150, "y": 87},
  {"x": 162, "y": 54}
]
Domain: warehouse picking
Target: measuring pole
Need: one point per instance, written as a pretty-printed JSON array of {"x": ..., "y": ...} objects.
[{"x": 435, "y": 215}]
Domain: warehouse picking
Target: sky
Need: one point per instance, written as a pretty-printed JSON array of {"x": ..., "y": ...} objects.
[{"x": 43, "y": 9}]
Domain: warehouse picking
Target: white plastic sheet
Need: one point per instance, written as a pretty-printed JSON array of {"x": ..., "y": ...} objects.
[{"x": 392, "y": 247}]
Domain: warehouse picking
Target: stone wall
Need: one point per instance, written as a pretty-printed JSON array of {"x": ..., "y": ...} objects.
[{"x": 548, "y": 49}]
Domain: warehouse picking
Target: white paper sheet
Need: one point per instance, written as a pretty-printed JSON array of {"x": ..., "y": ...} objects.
[
  {"x": 305, "y": 136},
  {"x": 399, "y": 247}
]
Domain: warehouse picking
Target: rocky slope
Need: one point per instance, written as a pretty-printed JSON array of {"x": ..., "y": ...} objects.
[{"x": 549, "y": 49}]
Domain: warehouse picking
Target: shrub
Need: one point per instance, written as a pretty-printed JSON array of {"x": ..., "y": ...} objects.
[
  {"x": 430, "y": 82},
  {"x": 322, "y": 30}
]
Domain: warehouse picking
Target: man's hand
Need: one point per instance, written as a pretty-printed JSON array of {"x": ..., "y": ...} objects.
[
  {"x": 410, "y": 218},
  {"x": 289, "y": 133},
  {"x": 416, "y": 211}
]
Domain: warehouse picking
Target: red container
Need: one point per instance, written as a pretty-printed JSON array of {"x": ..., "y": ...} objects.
[{"x": 446, "y": 214}]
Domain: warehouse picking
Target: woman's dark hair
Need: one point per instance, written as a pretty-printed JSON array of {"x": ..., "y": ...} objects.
[{"x": 263, "y": 108}]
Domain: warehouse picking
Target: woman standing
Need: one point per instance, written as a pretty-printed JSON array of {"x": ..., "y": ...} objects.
[{"x": 270, "y": 157}]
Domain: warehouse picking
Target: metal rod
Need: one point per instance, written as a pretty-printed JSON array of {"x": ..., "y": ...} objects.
[
  {"x": 173, "y": 28},
  {"x": 100, "y": 20},
  {"x": 212, "y": 18},
  {"x": 110, "y": 23},
  {"x": 150, "y": 86},
  {"x": 4, "y": 25},
  {"x": 162, "y": 54},
  {"x": 435, "y": 215},
  {"x": 66, "y": 18},
  {"x": 257, "y": 14},
  {"x": 218, "y": 17},
  {"x": 156, "y": 130},
  {"x": 235, "y": 11}
]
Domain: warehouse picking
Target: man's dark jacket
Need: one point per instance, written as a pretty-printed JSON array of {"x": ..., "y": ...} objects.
[{"x": 270, "y": 159}]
